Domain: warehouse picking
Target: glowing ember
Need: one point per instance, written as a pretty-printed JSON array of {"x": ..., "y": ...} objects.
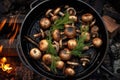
[
  {"x": 5, "y": 67},
  {"x": 1, "y": 48},
  {"x": 2, "y": 23},
  {"x": 3, "y": 60}
]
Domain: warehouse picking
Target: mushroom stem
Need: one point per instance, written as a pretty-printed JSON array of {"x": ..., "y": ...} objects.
[
  {"x": 32, "y": 41},
  {"x": 45, "y": 66}
]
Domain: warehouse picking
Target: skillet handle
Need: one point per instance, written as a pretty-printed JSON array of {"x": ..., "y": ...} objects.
[
  {"x": 22, "y": 58},
  {"x": 34, "y": 3}
]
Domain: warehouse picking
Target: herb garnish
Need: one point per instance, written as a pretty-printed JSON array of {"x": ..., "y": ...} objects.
[
  {"x": 77, "y": 51},
  {"x": 59, "y": 23}
]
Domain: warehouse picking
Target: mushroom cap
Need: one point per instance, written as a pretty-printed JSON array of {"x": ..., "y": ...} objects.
[
  {"x": 87, "y": 17},
  {"x": 43, "y": 45},
  {"x": 69, "y": 72},
  {"x": 56, "y": 11},
  {"x": 35, "y": 53},
  {"x": 71, "y": 11},
  {"x": 45, "y": 23},
  {"x": 48, "y": 12}
]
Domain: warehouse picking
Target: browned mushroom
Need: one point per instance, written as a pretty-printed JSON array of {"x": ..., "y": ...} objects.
[
  {"x": 87, "y": 17},
  {"x": 70, "y": 31},
  {"x": 65, "y": 54},
  {"x": 45, "y": 23},
  {"x": 56, "y": 45},
  {"x": 72, "y": 43},
  {"x": 94, "y": 29},
  {"x": 35, "y": 53},
  {"x": 39, "y": 34},
  {"x": 71, "y": 11},
  {"x": 47, "y": 58},
  {"x": 43, "y": 45},
  {"x": 57, "y": 11},
  {"x": 73, "y": 18},
  {"x": 69, "y": 72},
  {"x": 87, "y": 35},
  {"x": 53, "y": 17},
  {"x": 85, "y": 60},
  {"x": 56, "y": 35},
  {"x": 60, "y": 64},
  {"x": 97, "y": 42},
  {"x": 72, "y": 63}
]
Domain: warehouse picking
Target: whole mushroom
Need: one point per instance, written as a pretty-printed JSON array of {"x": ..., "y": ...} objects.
[
  {"x": 97, "y": 42},
  {"x": 43, "y": 45},
  {"x": 72, "y": 43},
  {"x": 87, "y": 17},
  {"x": 47, "y": 58},
  {"x": 35, "y": 53},
  {"x": 65, "y": 54},
  {"x": 60, "y": 64},
  {"x": 45, "y": 23},
  {"x": 69, "y": 72},
  {"x": 56, "y": 35}
]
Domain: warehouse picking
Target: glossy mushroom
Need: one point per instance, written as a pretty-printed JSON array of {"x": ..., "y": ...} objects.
[
  {"x": 45, "y": 23},
  {"x": 60, "y": 64},
  {"x": 43, "y": 45},
  {"x": 65, "y": 54},
  {"x": 47, "y": 59},
  {"x": 71, "y": 11},
  {"x": 69, "y": 72},
  {"x": 56, "y": 35},
  {"x": 35, "y": 53},
  {"x": 87, "y": 17},
  {"x": 97, "y": 42},
  {"x": 57, "y": 11},
  {"x": 72, "y": 43}
]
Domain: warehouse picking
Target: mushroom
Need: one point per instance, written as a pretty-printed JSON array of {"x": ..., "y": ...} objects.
[
  {"x": 87, "y": 35},
  {"x": 93, "y": 22},
  {"x": 70, "y": 31},
  {"x": 87, "y": 17},
  {"x": 57, "y": 11},
  {"x": 56, "y": 35},
  {"x": 85, "y": 60},
  {"x": 86, "y": 47},
  {"x": 69, "y": 72},
  {"x": 41, "y": 33},
  {"x": 94, "y": 34},
  {"x": 72, "y": 43},
  {"x": 72, "y": 63},
  {"x": 47, "y": 58},
  {"x": 35, "y": 53},
  {"x": 71, "y": 11},
  {"x": 45, "y": 23},
  {"x": 60, "y": 64},
  {"x": 56, "y": 45},
  {"x": 65, "y": 54},
  {"x": 94, "y": 29},
  {"x": 97, "y": 42},
  {"x": 61, "y": 43},
  {"x": 73, "y": 18},
  {"x": 53, "y": 17},
  {"x": 43, "y": 45}
]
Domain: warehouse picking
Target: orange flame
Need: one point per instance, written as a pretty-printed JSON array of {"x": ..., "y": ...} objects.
[
  {"x": 2, "y": 23},
  {"x": 5, "y": 67},
  {"x": 14, "y": 35},
  {"x": 1, "y": 48}
]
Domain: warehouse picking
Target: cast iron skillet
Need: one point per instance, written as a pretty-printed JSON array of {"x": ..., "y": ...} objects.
[{"x": 28, "y": 28}]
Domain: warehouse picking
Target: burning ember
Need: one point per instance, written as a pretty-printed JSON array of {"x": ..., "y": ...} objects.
[
  {"x": 4, "y": 66},
  {"x": 1, "y": 48}
]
